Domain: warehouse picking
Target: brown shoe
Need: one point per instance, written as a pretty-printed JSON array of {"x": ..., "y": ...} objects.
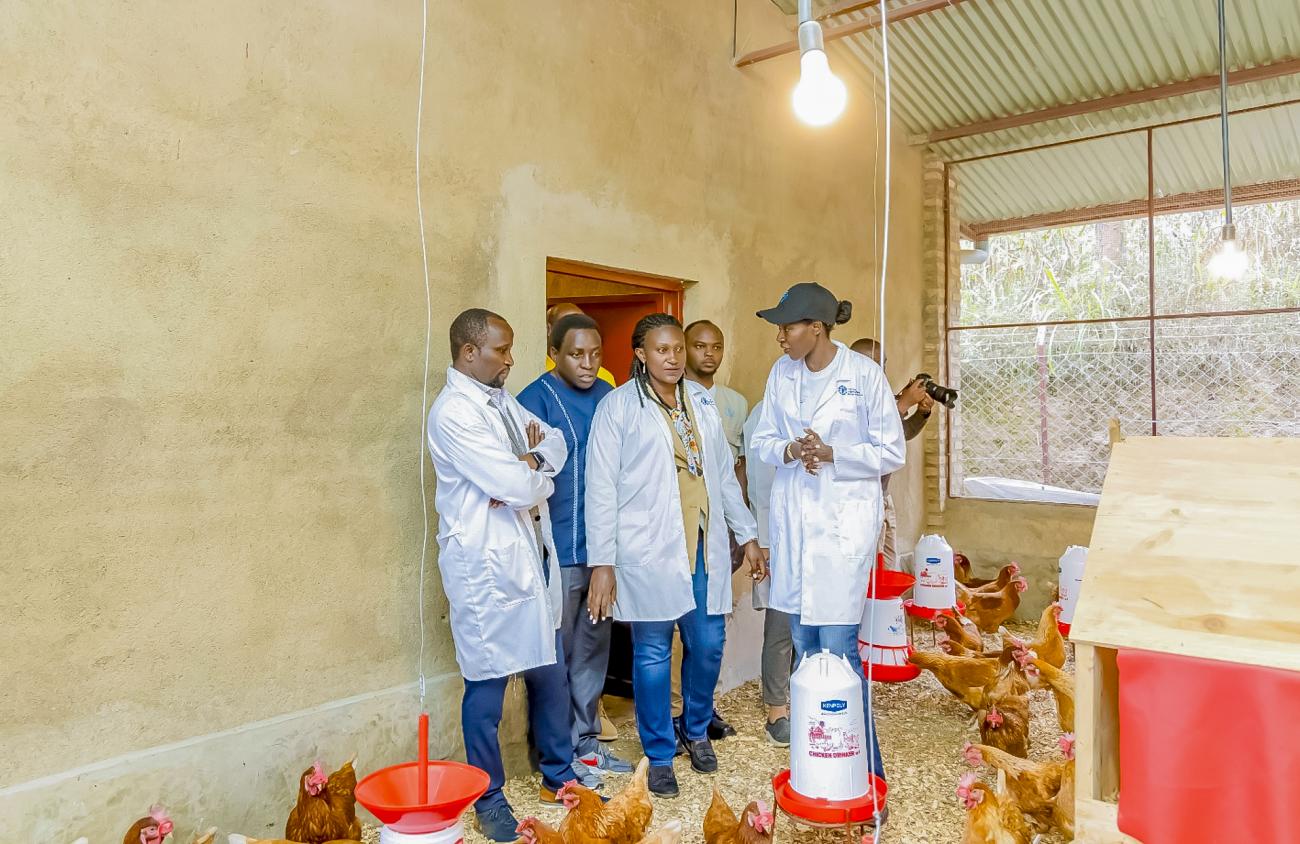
[{"x": 608, "y": 732}]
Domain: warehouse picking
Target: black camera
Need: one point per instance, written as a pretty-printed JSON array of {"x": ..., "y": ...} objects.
[{"x": 945, "y": 396}]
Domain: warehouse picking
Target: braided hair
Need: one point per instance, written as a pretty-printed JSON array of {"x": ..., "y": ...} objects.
[{"x": 640, "y": 373}]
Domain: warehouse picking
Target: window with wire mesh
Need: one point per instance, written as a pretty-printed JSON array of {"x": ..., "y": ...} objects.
[{"x": 1056, "y": 334}]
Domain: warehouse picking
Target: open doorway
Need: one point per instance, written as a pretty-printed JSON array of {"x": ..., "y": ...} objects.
[{"x": 615, "y": 299}]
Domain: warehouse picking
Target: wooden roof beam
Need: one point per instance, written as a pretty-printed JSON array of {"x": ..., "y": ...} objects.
[
  {"x": 1196, "y": 85},
  {"x": 832, "y": 33}
]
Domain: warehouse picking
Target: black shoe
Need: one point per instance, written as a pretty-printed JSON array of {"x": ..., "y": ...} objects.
[
  {"x": 662, "y": 781},
  {"x": 703, "y": 759},
  {"x": 719, "y": 729},
  {"x": 497, "y": 824},
  {"x": 681, "y": 736}
]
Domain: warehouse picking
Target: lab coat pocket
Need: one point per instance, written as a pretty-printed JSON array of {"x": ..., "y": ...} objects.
[
  {"x": 511, "y": 575},
  {"x": 856, "y": 538},
  {"x": 634, "y": 549}
]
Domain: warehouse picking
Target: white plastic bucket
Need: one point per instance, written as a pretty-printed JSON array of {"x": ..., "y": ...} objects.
[
  {"x": 935, "y": 582},
  {"x": 828, "y": 737},
  {"x": 1070, "y": 580},
  {"x": 453, "y": 834}
]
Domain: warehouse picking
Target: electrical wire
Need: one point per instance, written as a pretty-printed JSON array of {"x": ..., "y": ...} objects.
[
  {"x": 1223, "y": 113},
  {"x": 428, "y": 336},
  {"x": 884, "y": 265}
]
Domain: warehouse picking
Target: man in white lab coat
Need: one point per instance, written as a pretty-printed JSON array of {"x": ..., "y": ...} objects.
[{"x": 495, "y": 462}]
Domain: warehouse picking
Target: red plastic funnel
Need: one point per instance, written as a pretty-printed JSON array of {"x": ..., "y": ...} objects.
[
  {"x": 392, "y": 795},
  {"x": 886, "y": 584}
]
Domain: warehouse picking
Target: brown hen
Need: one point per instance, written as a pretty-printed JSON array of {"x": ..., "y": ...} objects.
[
  {"x": 722, "y": 827},
  {"x": 314, "y": 819},
  {"x": 992, "y": 817}
]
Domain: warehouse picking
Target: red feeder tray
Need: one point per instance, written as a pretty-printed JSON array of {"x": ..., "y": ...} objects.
[
  {"x": 1064, "y": 628},
  {"x": 931, "y": 614},
  {"x": 422, "y": 796},
  {"x": 891, "y": 673},
  {"x": 820, "y": 812}
]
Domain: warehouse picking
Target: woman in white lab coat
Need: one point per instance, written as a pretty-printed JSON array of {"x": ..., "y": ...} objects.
[
  {"x": 830, "y": 426},
  {"x": 661, "y": 497}
]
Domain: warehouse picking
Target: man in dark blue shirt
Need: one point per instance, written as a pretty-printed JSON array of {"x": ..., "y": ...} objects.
[{"x": 566, "y": 398}]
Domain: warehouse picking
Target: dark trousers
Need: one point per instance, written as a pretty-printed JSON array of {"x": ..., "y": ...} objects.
[{"x": 548, "y": 715}]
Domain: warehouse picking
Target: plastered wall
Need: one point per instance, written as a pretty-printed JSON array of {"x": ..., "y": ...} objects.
[{"x": 213, "y": 311}]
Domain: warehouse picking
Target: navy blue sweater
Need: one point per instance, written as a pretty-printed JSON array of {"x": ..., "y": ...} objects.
[{"x": 570, "y": 410}]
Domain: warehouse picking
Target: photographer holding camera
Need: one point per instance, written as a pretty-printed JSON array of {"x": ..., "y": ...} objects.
[{"x": 917, "y": 399}]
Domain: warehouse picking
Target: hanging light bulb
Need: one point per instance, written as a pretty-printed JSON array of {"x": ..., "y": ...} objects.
[
  {"x": 1230, "y": 260},
  {"x": 820, "y": 96}
]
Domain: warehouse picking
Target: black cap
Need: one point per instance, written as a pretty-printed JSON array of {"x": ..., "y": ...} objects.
[{"x": 808, "y": 300}]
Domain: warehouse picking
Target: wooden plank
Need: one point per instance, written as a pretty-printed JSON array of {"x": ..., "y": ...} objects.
[
  {"x": 1085, "y": 727},
  {"x": 833, "y": 33},
  {"x": 1128, "y": 98},
  {"x": 1193, "y": 551},
  {"x": 1097, "y": 822}
]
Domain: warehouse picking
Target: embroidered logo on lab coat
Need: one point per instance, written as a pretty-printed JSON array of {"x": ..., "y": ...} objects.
[{"x": 845, "y": 390}]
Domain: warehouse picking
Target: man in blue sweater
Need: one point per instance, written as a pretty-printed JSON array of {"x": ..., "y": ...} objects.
[{"x": 566, "y": 398}]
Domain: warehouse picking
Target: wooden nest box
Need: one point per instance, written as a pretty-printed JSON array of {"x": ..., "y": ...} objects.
[{"x": 1187, "y": 639}]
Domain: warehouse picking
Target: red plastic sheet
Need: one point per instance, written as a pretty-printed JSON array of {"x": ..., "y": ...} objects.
[{"x": 1209, "y": 751}]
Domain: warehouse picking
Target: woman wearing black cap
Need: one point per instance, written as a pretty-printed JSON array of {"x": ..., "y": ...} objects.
[{"x": 831, "y": 427}]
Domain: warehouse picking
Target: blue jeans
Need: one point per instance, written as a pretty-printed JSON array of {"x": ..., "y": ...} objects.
[
  {"x": 703, "y": 636},
  {"x": 841, "y": 640},
  {"x": 548, "y": 715}
]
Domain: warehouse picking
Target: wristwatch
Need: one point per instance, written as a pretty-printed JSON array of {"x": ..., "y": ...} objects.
[{"x": 541, "y": 461}]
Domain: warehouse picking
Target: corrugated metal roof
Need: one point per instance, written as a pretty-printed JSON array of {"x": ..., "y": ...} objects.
[
  {"x": 1265, "y": 148},
  {"x": 985, "y": 59}
]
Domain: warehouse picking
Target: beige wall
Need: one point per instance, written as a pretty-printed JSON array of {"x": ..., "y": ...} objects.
[{"x": 214, "y": 328}]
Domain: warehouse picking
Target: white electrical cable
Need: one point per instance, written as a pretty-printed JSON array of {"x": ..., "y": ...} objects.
[
  {"x": 884, "y": 264},
  {"x": 428, "y": 336}
]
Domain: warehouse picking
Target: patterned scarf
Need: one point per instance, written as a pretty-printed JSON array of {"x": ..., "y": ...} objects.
[{"x": 682, "y": 425}]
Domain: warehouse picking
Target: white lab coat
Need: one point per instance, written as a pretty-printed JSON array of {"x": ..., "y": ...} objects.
[
  {"x": 759, "y": 476},
  {"x": 634, "y": 508},
  {"x": 824, "y": 527},
  {"x": 504, "y": 614}
]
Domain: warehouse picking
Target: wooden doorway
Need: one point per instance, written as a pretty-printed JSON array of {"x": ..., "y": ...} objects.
[{"x": 615, "y": 299}]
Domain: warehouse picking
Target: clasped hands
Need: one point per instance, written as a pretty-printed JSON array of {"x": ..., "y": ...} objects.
[{"x": 810, "y": 450}]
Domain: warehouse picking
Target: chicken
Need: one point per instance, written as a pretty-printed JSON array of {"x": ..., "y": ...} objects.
[
  {"x": 536, "y": 831},
  {"x": 721, "y": 826},
  {"x": 1005, "y": 574},
  {"x": 989, "y": 610},
  {"x": 623, "y": 820},
  {"x": 964, "y": 676},
  {"x": 669, "y": 833},
  {"x": 1063, "y": 805},
  {"x": 1061, "y": 684},
  {"x": 992, "y": 817},
  {"x": 961, "y": 569},
  {"x": 151, "y": 829},
  {"x": 1032, "y": 785},
  {"x": 340, "y": 791},
  {"x": 315, "y": 819},
  {"x": 1004, "y": 724},
  {"x": 1047, "y": 641},
  {"x": 958, "y": 631}
]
